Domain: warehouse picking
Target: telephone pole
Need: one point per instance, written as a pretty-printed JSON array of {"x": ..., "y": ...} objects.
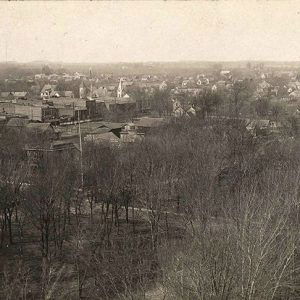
[{"x": 80, "y": 147}]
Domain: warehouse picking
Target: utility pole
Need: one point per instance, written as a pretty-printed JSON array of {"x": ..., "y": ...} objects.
[
  {"x": 74, "y": 116},
  {"x": 80, "y": 147}
]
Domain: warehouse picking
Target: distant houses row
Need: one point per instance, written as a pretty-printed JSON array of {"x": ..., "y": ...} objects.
[{"x": 44, "y": 138}]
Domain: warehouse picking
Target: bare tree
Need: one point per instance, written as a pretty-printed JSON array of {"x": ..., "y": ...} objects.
[
  {"x": 206, "y": 102},
  {"x": 14, "y": 170},
  {"x": 45, "y": 207}
]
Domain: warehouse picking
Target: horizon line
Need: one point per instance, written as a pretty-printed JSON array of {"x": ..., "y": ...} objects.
[{"x": 154, "y": 61}]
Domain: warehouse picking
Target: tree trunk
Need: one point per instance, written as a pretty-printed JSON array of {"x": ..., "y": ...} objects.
[{"x": 9, "y": 221}]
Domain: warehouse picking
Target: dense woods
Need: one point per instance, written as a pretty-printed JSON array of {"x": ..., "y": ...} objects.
[{"x": 200, "y": 209}]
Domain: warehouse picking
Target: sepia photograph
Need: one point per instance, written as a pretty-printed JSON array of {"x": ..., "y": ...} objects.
[{"x": 150, "y": 150}]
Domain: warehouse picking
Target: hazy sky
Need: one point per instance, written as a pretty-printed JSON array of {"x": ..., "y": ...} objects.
[{"x": 149, "y": 31}]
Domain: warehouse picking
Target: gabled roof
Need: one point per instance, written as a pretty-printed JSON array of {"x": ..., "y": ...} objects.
[
  {"x": 149, "y": 122},
  {"x": 258, "y": 123},
  {"x": 225, "y": 72},
  {"x": 104, "y": 137},
  {"x": 20, "y": 94},
  {"x": 111, "y": 125},
  {"x": 63, "y": 145},
  {"x": 47, "y": 87}
]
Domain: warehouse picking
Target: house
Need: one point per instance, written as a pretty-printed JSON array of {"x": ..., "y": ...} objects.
[
  {"x": 294, "y": 96},
  {"x": 180, "y": 110},
  {"x": 163, "y": 86},
  {"x": 99, "y": 92},
  {"x": 199, "y": 82},
  {"x": 49, "y": 91},
  {"x": 177, "y": 108},
  {"x": 104, "y": 137},
  {"x": 225, "y": 73},
  {"x": 115, "y": 128},
  {"x": 264, "y": 87},
  {"x": 102, "y": 132},
  {"x": 20, "y": 95},
  {"x": 191, "y": 112},
  {"x": 214, "y": 88},
  {"x": 263, "y": 127},
  {"x": 129, "y": 134},
  {"x": 61, "y": 145},
  {"x": 87, "y": 90},
  {"x": 199, "y": 76},
  {"x": 79, "y": 76},
  {"x": 39, "y": 76},
  {"x": 258, "y": 124},
  {"x": 203, "y": 81},
  {"x": 144, "y": 124}
]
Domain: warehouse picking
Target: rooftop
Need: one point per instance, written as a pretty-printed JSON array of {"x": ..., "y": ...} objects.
[{"x": 149, "y": 122}]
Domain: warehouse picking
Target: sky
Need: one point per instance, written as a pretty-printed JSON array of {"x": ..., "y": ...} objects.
[{"x": 135, "y": 31}]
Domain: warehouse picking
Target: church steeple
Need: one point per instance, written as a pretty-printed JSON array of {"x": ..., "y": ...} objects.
[{"x": 120, "y": 89}]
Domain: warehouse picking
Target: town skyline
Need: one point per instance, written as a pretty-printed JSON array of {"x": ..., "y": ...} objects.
[{"x": 150, "y": 150}]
